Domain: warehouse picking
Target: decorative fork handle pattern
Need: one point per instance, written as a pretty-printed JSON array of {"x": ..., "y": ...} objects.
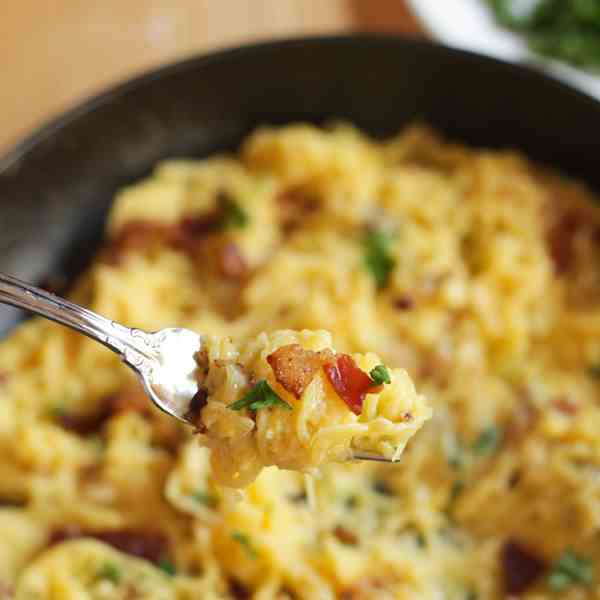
[{"x": 135, "y": 347}]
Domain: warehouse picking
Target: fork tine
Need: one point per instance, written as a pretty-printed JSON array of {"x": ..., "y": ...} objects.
[{"x": 370, "y": 456}]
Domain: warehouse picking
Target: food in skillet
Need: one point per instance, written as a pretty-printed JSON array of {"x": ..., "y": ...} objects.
[
  {"x": 474, "y": 270},
  {"x": 288, "y": 399}
]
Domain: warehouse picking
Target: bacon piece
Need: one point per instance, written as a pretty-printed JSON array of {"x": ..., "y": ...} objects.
[
  {"x": 3, "y": 378},
  {"x": 523, "y": 418},
  {"x": 152, "y": 546},
  {"x": 350, "y": 382},
  {"x": 85, "y": 424},
  {"x": 345, "y": 536},
  {"x": 295, "y": 204},
  {"x": 238, "y": 590},
  {"x": 92, "y": 422},
  {"x": 136, "y": 235},
  {"x": 560, "y": 241},
  {"x": 231, "y": 262},
  {"x": 565, "y": 406},
  {"x": 520, "y": 567},
  {"x": 404, "y": 303},
  {"x": 294, "y": 367},
  {"x": 198, "y": 402}
]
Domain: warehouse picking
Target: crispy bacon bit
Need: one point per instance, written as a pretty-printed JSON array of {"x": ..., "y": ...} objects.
[
  {"x": 87, "y": 423},
  {"x": 238, "y": 590},
  {"x": 6, "y": 591},
  {"x": 350, "y": 383},
  {"x": 201, "y": 225},
  {"x": 3, "y": 378},
  {"x": 152, "y": 546},
  {"x": 294, "y": 367},
  {"x": 523, "y": 418},
  {"x": 560, "y": 241},
  {"x": 520, "y": 567},
  {"x": 514, "y": 479},
  {"x": 565, "y": 406},
  {"x": 136, "y": 235},
  {"x": 404, "y": 303},
  {"x": 295, "y": 204},
  {"x": 345, "y": 536},
  {"x": 198, "y": 402},
  {"x": 231, "y": 262}
]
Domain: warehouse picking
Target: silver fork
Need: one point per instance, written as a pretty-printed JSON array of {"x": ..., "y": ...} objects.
[{"x": 163, "y": 360}]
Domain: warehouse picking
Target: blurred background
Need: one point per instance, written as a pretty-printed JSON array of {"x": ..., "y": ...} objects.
[{"x": 53, "y": 54}]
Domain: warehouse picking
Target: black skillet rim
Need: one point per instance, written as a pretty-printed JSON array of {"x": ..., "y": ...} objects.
[{"x": 82, "y": 108}]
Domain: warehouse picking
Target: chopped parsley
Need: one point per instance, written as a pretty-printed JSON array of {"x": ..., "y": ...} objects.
[
  {"x": 167, "y": 566},
  {"x": 232, "y": 214},
  {"x": 58, "y": 410},
  {"x": 111, "y": 572},
  {"x": 380, "y": 375},
  {"x": 455, "y": 491},
  {"x": 378, "y": 260},
  {"x": 570, "y": 569},
  {"x": 260, "y": 396},
  {"x": 244, "y": 541},
  {"x": 594, "y": 371},
  {"x": 488, "y": 440},
  {"x": 204, "y": 498},
  {"x": 351, "y": 502},
  {"x": 455, "y": 455}
]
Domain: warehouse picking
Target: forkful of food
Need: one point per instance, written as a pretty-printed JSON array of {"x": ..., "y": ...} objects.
[{"x": 284, "y": 398}]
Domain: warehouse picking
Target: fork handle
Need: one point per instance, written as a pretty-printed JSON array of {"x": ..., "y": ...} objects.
[{"x": 113, "y": 335}]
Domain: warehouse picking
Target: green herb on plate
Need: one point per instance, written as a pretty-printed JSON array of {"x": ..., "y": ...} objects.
[{"x": 260, "y": 396}]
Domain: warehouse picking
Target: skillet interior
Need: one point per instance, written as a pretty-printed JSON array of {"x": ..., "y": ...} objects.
[{"x": 57, "y": 185}]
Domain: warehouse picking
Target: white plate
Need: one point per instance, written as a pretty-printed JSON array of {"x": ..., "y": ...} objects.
[{"x": 468, "y": 24}]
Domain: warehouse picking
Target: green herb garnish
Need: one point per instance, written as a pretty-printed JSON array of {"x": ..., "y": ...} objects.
[
  {"x": 204, "y": 498},
  {"x": 232, "y": 214},
  {"x": 351, "y": 502},
  {"x": 167, "y": 566},
  {"x": 111, "y": 572},
  {"x": 380, "y": 375},
  {"x": 245, "y": 542},
  {"x": 260, "y": 396},
  {"x": 58, "y": 411},
  {"x": 488, "y": 441},
  {"x": 567, "y": 30},
  {"x": 455, "y": 455},
  {"x": 455, "y": 491},
  {"x": 570, "y": 569},
  {"x": 378, "y": 260}
]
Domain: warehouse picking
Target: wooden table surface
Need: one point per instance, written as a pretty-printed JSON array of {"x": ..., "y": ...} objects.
[{"x": 53, "y": 54}]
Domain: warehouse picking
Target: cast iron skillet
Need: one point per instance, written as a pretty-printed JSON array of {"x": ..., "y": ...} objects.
[{"x": 56, "y": 186}]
